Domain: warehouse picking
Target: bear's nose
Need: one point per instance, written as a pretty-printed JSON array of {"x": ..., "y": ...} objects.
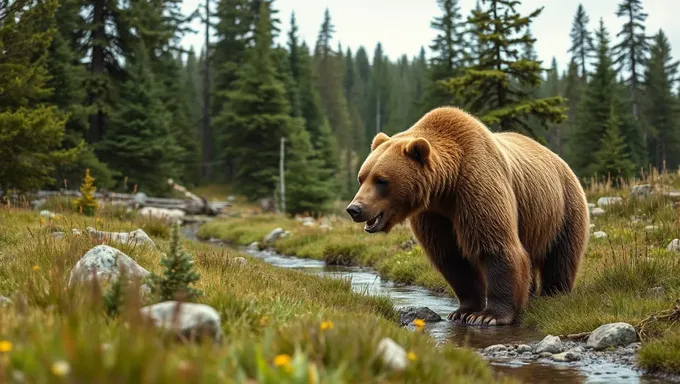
[{"x": 354, "y": 210}]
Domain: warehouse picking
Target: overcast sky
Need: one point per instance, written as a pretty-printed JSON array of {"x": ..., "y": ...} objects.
[{"x": 403, "y": 26}]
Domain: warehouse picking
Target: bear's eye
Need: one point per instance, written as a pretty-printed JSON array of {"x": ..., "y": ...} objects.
[
  {"x": 380, "y": 181},
  {"x": 381, "y": 186}
]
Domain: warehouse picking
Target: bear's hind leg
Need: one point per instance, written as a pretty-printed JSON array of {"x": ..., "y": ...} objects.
[
  {"x": 435, "y": 234},
  {"x": 508, "y": 279},
  {"x": 559, "y": 269}
]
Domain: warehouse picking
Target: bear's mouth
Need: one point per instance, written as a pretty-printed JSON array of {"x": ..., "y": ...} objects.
[{"x": 374, "y": 224}]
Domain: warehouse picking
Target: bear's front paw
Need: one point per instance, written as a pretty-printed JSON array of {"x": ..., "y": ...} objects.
[
  {"x": 464, "y": 311},
  {"x": 489, "y": 317}
]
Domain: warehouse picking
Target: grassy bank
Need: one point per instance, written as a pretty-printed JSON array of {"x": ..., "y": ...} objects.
[
  {"x": 626, "y": 276},
  {"x": 271, "y": 319}
]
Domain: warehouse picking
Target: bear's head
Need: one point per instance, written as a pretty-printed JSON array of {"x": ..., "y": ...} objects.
[{"x": 393, "y": 182}]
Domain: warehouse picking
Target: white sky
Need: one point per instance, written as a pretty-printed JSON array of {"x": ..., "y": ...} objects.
[{"x": 403, "y": 26}]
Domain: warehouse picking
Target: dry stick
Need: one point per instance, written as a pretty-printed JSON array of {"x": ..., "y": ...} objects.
[{"x": 672, "y": 315}]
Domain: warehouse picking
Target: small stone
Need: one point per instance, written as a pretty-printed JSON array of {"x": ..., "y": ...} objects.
[
  {"x": 408, "y": 314},
  {"x": 495, "y": 348},
  {"x": 566, "y": 356},
  {"x": 550, "y": 343},
  {"x": 599, "y": 235},
  {"x": 254, "y": 246},
  {"x": 602, "y": 201},
  {"x": 544, "y": 355},
  {"x": 577, "y": 349},
  {"x": 522, "y": 348},
  {"x": 140, "y": 198},
  {"x": 325, "y": 226},
  {"x": 58, "y": 235},
  {"x": 5, "y": 301},
  {"x": 392, "y": 354},
  {"x": 657, "y": 292},
  {"x": 239, "y": 260},
  {"x": 597, "y": 211},
  {"x": 75, "y": 231},
  {"x": 512, "y": 354},
  {"x": 673, "y": 246},
  {"x": 612, "y": 335},
  {"x": 187, "y": 320},
  {"x": 651, "y": 227},
  {"x": 641, "y": 190},
  {"x": 138, "y": 236},
  {"x": 47, "y": 213},
  {"x": 274, "y": 235},
  {"x": 309, "y": 224}
]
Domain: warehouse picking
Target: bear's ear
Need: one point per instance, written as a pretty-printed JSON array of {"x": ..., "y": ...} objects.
[
  {"x": 419, "y": 150},
  {"x": 379, "y": 139}
]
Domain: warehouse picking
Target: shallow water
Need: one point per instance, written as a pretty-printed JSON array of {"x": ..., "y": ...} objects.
[{"x": 532, "y": 371}]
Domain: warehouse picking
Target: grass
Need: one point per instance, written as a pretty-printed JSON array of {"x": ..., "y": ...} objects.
[
  {"x": 53, "y": 333},
  {"x": 618, "y": 280}
]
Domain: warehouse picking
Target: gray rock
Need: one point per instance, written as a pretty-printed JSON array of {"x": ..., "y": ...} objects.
[
  {"x": 75, "y": 231},
  {"x": 597, "y": 211},
  {"x": 544, "y": 355},
  {"x": 392, "y": 354},
  {"x": 599, "y": 235},
  {"x": 495, "y": 348},
  {"x": 5, "y": 301},
  {"x": 651, "y": 227},
  {"x": 408, "y": 314},
  {"x": 106, "y": 262},
  {"x": 577, "y": 349},
  {"x": 550, "y": 343},
  {"x": 140, "y": 198},
  {"x": 37, "y": 204},
  {"x": 566, "y": 356},
  {"x": 273, "y": 235},
  {"x": 673, "y": 246},
  {"x": 641, "y": 190},
  {"x": 254, "y": 246},
  {"x": 591, "y": 206},
  {"x": 603, "y": 201},
  {"x": 47, "y": 213},
  {"x": 522, "y": 348},
  {"x": 239, "y": 260},
  {"x": 611, "y": 335},
  {"x": 526, "y": 355},
  {"x": 138, "y": 236},
  {"x": 186, "y": 320},
  {"x": 657, "y": 292},
  {"x": 325, "y": 226},
  {"x": 58, "y": 235}
]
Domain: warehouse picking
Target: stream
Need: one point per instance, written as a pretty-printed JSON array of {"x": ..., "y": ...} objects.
[{"x": 600, "y": 368}]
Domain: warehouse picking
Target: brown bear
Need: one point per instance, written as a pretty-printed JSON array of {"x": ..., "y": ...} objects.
[{"x": 490, "y": 210}]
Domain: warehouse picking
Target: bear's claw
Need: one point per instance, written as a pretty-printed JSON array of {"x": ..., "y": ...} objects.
[{"x": 487, "y": 317}]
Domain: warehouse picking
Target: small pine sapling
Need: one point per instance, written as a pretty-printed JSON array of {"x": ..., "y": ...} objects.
[
  {"x": 86, "y": 203},
  {"x": 178, "y": 274}
]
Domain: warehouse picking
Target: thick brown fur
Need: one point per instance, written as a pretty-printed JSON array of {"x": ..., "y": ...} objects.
[{"x": 491, "y": 210}]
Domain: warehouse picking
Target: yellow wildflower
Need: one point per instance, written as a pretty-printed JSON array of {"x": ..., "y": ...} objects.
[
  {"x": 419, "y": 323},
  {"x": 58, "y": 217},
  {"x": 61, "y": 368},
  {"x": 283, "y": 361},
  {"x": 412, "y": 356},
  {"x": 264, "y": 320},
  {"x": 42, "y": 221},
  {"x": 36, "y": 268},
  {"x": 5, "y": 346},
  {"x": 326, "y": 325}
]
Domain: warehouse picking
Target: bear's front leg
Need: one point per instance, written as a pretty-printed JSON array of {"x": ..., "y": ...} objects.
[
  {"x": 435, "y": 234},
  {"x": 507, "y": 286}
]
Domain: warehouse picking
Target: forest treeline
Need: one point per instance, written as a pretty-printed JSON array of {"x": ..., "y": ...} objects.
[{"x": 106, "y": 85}]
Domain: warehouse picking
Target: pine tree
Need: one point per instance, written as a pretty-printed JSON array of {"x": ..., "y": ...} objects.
[
  {"x": 581, "y": 41},
  {"x": 420, "y": 84},
  {"x": 448, "y": 52},
  {"x": 139, "y": 142},
  {"x": 594, "y": 110},
  {"x": 86, "y": 203},
  {"x": 31, "y": 132},
  {"x": 661, "y": 107},
  {"x": 631, "y": 52},
  {"x": 613, "y": 158},
  {"x": 178, "y": 274},
  {"x": 258, "y": 117},
  {"x": 486, "y": 90}
]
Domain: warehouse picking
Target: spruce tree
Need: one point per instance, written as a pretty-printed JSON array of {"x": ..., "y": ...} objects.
[
  {"x": 31, "y": 132},
  {"x": 139, "y": 142},
  {"x": 612, "y": 160},
  {"x": 419, "y": 84},
  {"x": 486, "y": 89},
  {"x": 581, "y": 41},
  {"x": 258, "y": 117},
  {"x": 631, "y": 52},
  {"x": 661, "y": 107},
  {"x": 179, "y": 274}
]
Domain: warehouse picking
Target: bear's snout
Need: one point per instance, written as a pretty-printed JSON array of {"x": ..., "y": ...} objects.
[{"x": 354, "y": 211}]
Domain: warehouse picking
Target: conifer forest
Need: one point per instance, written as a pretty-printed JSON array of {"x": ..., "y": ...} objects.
[{"x": 105, "y": 85}]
